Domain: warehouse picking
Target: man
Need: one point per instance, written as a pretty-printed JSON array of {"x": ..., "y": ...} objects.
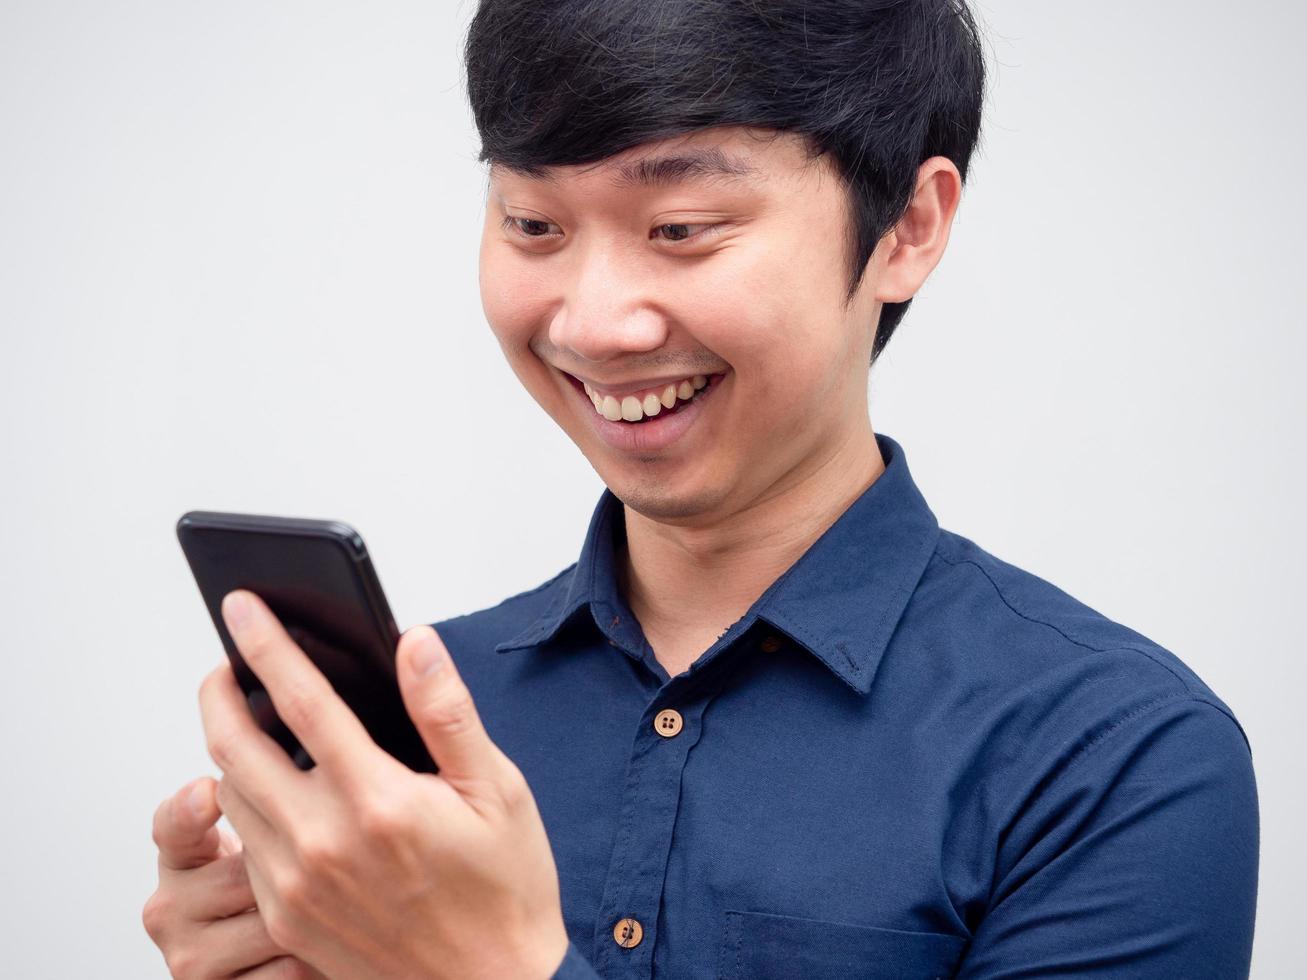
[{"x": 774, "y": 722}]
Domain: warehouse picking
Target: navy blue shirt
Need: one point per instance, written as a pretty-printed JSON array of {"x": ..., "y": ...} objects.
[{"x": 907, "y": 759}]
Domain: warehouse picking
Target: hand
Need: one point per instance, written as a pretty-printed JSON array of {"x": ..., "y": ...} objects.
[
  {"x": 202, "y": 915},
  {"x": 361, "y": 866}
]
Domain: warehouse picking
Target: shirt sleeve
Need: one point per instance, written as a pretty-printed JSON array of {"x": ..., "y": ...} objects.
[
  {"x": 1139, "y": 858},
  {"x": 574, "y": 967}
]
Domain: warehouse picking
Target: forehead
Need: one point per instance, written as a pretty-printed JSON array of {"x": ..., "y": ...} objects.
[{"x": 701, "y": 159}]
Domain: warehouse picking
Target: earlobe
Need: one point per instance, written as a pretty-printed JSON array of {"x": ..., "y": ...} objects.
[
  {"x": 890, "y": 284},
  {"x": 899, "y": 259}
]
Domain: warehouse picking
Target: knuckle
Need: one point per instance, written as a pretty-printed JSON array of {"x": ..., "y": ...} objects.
[
  {"x": 298, "y": 707},
  {"x": 212, "y": 682},
  {"x": 280, "y": 928},
  {"x": 293, "y": 894},
  {"x": 516, "y": 790},
  {"x": 155, "y": 915},
  {"x": 183, "y": 964},
  {"x": 452, "y": 711},
  {"x": 159, "y": 832},
  {"x": 258, "y": 644},
  {"x": 379, "y": 819},
  {"x": 221, "y": 745},
  {"x": 315, "y": 851},
  {"x": 289, "y": 968}
]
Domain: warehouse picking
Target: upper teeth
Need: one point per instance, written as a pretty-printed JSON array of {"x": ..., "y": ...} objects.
[{"x": 636, "y": 406}]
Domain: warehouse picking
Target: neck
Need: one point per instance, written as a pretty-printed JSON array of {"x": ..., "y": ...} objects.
[{"x": 687, "y": 584}]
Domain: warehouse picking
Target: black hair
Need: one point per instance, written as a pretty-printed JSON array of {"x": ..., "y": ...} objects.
[{"x": 879, "y": 85}]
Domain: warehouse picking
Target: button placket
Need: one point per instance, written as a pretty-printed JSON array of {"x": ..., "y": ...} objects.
[
  {"x": 633, "y": 890},
  {"x": 668, "y": 723},
  {"x": 628, "y": 932}
]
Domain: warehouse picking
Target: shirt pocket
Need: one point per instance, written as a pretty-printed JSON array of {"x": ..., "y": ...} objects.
[{"x": 764, "y": 946}]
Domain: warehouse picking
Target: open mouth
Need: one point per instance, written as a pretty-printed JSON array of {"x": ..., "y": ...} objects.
[{"x": 645, "y": 406}]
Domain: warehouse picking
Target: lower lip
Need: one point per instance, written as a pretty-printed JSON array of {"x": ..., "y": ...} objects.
[{"x": 652, "y": 435}]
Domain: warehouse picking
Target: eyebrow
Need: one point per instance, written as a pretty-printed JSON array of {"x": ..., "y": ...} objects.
[{"x": 709, "y": 163}]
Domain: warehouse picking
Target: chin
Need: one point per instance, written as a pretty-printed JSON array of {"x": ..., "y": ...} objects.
[
  {"x": 664, "y": 501},
  {"x": 667, "y": 489}
]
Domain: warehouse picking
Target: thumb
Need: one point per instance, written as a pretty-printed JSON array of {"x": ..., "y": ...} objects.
[
  {"x": 442, "y": 710},
  {"x": 185, "y": 826}
]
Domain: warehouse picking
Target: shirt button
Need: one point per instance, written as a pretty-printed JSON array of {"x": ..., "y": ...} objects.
[
  {"x": 668, "y": 722},
  {"x": 770, "y": 644},
  {"x": 628, "y": 933}
]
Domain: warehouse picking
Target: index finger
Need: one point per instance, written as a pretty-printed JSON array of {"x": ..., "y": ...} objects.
[
  {"x": 303, "y": 698},
  {"x": 185, "y": 827}
]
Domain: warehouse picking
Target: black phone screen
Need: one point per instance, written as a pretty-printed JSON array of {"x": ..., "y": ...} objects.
[{"x": 317, "y": 578}]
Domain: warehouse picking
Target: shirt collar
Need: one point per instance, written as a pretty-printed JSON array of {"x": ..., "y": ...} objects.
[{"x": 841, "y": 601}]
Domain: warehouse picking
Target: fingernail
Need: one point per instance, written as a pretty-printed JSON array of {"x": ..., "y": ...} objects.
[
  {"x": 236, "y": 610},
  {"x": 427, "y": 658},
  {"x": 195, "y": 800}
]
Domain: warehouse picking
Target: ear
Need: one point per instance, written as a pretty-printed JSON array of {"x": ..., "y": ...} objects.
[{"x": 915, "y": 245}]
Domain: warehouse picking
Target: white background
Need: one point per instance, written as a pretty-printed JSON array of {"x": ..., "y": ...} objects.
[{"x": 238, "y": 272}]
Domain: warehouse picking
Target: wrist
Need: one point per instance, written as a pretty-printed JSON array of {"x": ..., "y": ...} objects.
[{"x": 534, "y": 956}]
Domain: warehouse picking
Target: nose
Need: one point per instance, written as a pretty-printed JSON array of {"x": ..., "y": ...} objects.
[{"x": 606, "y": 312}]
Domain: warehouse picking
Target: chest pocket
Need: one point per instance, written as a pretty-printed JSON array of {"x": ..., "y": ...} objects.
[{"x": 762, "y": 946}]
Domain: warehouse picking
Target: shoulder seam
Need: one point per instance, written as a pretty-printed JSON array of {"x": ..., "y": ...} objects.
[
  {"x": 1066, "y": 636},
  {"x": 1051, "y": 779},
  {"x": 1148, "y": 707}
]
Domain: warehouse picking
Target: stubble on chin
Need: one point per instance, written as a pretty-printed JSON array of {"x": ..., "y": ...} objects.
[
  {"x": 648, "y": 494},
  {"x": 661, "y": 502}
]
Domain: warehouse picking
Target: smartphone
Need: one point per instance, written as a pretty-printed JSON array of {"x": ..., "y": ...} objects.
[{"x": 316, "y": 576}]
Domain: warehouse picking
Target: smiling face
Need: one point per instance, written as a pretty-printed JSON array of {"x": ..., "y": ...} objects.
[{"x": 607, "y": 283}]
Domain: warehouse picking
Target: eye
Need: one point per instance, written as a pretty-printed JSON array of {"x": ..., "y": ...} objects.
[
  {"x": 680, "y": 232},
  {"x": 527, "y": 227}
]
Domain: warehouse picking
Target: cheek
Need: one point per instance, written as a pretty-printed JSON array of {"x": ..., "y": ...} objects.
[
  {"x": 764, "y": 314},
  {"x": 517, "y": 297},
  {"x": 506, "y": 298}
]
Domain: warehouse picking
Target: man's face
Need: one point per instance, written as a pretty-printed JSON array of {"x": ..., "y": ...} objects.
[{"x": 607, "y": 276}]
